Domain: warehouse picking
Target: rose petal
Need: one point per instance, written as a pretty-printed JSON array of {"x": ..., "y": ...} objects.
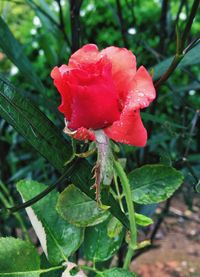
[
  {"x": 87, "y": 54},
  {"x": 129, "y": 129},
  {"x": 95, "y": 105},
  {"x": 123, "y": 68},
  {"x": 141, "y": 91},
  {"x": 60, "y": 76}
]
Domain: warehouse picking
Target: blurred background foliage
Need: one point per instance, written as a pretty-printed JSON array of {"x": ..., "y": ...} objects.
[{"x": 43, "y": 36}]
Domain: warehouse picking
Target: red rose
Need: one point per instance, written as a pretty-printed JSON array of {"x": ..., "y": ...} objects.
[{"x": 103, "y": 90}]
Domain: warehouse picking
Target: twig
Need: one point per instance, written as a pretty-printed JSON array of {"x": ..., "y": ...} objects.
[
  {"x": 58, "y": 26},
  {"x": 62, "y": 23},
  {"x": 181, "y": 40},
  {"x": 121, "y": 23},
  {"x": 177, "y": 17},
  {"x": 189, "y": 23},
  {"x": 189, "y": 167},
  {"x": 75, "y": 23},
  {"x": 160, "y": 219},
  {"x": 163, "y": 25},
  {"x": 194, "y": 122},
  {"x": 42, "y": 194},
  {"x": 131, "y": 8}
]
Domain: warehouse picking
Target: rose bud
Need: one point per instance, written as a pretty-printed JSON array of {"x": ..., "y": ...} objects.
[{"x": 104, "y": 90}]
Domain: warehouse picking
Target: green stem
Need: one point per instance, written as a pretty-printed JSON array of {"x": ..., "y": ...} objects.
[
  {"x": 52, "y": 269},
  {"x": 127, "y": 192},
  {"x": 128, "y": 258},
  {"x": 119, "y": 196},
  {"x": 33, "y": 272}
]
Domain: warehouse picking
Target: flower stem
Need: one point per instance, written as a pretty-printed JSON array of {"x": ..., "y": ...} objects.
[
  {"x": 128, "y": 257},
  {"x": 119, "y": 196},
  {"x": 127, "y": 192}
]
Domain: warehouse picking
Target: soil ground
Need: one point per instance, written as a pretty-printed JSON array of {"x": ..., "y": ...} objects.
[{"x": 178, "y": 244}]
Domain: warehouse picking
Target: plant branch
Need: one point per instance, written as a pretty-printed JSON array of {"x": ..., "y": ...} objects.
[
  {"x": 194, "y": 122},
  {"x": 188, "y": 26},
  {"x": 62, "y": 23},
  {"x": 58, "y": 26},
  {"x": 75, "y": 23},
  {"x": 181, "y": 40},
  {"x": 42, "y": 194},
  {"x": 121, "y": 23},
  {"x": 163, "y": 25},
  {"x": 182, "y": 3}
]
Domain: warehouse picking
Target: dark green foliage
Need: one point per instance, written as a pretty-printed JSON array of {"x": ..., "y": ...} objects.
[{"x": 36, "y": 35}]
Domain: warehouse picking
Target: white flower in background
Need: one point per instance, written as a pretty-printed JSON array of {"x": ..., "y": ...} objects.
[
  {"x": 14, "y": 70},
  {"x": 90, "y": 7},
  {"x": 36, "y": 21},
  {"x": 33, "y": 31},
  {"x": 35, "y": 44},
  {"x": 132, "y": 31},
  {"x": 82, "y": 13},
  {"x": 182, "y": 16},
  {"x": 192, "y": 92},
  {"x": 55, "y": 6},
  {"x": 157, "y": 2},
  {"x": 41, "y": 52},
  {"x": 62, "y": 2}
]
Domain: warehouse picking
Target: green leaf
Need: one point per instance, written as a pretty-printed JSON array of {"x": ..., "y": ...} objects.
[
  {"x": 116, "y": 272},
  {"x": 191, "y": 58},
  {"x": 18, "y": 258},
  {"x": 14, "y": 50},
  {"x": 30, "y": 122},
  {"x": 143, "y": 220},
  {"x": 78, "y": 209},
  {"x": 98, "y": 245},
  {"x": 154, "y": 183},
  {"x": 58, "y": 238},
  {"x": 114, "y": 227}
]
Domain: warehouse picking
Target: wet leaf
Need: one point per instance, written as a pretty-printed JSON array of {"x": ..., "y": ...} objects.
[
  {"x": 154, "y": 183},
  {"x": 98, "y": 245},
  {"x": 18, "y": 258},
  {"x": 78, "y": 209},
  {"x": 143, "y": 220},
  {"x": 58, "y": 238}
]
